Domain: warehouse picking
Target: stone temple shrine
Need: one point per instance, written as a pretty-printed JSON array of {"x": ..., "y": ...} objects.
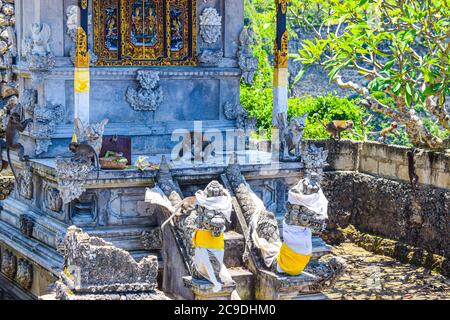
[{"x": 157, "y": 81}]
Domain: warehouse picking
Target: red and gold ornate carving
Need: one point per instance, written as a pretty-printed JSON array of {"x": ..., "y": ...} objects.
[{"x": 145, "y": 32}]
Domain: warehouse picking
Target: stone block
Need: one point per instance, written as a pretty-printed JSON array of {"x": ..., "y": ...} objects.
[
  {"x": 369, "y": 165},
  {"x": 202, "y": 289},
  {"x": 424, "y": 175},
  {"x": 387, "y": 169},
  {"x": 441, "y": 180},
  {"x": 403, "y": 172}
]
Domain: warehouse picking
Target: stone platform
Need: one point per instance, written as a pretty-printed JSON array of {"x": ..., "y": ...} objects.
[{"x": 34, "y": 221}]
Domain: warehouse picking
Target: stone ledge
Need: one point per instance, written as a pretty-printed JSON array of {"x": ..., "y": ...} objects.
[{"x": 202, "y": 289}]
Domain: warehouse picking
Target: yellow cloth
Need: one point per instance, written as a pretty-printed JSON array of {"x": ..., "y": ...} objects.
[
  {"x": 82, "y": 80},
  {"x": 205, "y": 239},
  {"x": 291, "y": 262}
]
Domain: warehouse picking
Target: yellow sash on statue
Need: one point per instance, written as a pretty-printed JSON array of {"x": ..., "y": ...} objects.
[
  {"x": 292, "y": 262},
  {"x": 205, "y": 239}
]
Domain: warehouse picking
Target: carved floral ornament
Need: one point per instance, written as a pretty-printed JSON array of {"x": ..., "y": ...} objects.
[{"x": 210, "y": 25}]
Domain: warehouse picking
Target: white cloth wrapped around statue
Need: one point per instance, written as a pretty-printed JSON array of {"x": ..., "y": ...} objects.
[
  {"x": 294, "y": 253},
  {"x": 206, "y": 243}
]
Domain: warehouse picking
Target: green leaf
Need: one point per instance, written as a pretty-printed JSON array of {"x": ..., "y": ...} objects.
[
  {"x": 396, "y": 88},
  {"x": 408, "y": 89},
  {"x": 389, "y": 65}
]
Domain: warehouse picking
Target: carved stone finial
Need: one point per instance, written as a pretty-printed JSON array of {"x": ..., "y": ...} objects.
[
  {"x": 210, "y": 25},
  {"x": 247, "y": 60},
  {"x": 149, "y": 95}
]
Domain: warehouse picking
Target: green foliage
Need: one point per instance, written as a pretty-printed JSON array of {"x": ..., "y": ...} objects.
[
  {"x": 401, "y": 47},
  {"x": 362, "y": 36},
  {"x": 327, "y": 108}
]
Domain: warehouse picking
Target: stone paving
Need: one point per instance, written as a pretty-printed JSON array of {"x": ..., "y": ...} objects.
[{"x": 375, "y": 277}]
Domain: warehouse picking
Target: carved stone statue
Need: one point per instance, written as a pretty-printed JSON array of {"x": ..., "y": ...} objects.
[
  {"x": 24, "y": 275},
  {"x": 40, "y": 35},
  {"x": 291, "y": 134},
  {"x": 8, "y": 263},
  {"x": 91, "y": 134},
  {"x": 72, "y": 14},
  {"x": 306, "y": 214},
  {"x": 210, "y": 25},
  {"x": 213, "y": 211},
  {"x": 45, "y": 121},
  {"x": 149, "y": 95},
  {"x": 36, "y": 49},
  {"x": 314, "y": 160},
  {"x": 247, "y": 60}
]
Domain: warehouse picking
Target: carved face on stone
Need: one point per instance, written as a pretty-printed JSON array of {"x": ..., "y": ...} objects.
[
  {"x": 211, "y": 220},
  {"x": 297, "y": 125},
  {"x": 215, "y": 189},
  {"x": 301, "y": 216}
]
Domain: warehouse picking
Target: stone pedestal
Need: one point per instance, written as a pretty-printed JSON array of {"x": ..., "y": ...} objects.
[
  {"x": 270, "y": 286},
  {"x": 202, "y": 289}
]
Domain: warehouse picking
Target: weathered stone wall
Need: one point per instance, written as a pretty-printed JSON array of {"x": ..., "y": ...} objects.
[
  {"x": 8, "y": 52},
  {"x": 388, "y": 161},
  {"x": 368, "y": 186}
]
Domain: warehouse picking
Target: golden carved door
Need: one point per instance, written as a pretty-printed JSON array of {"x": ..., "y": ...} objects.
[
  {"x": 144, "y": 26},
  {"x": 145, "y": 32}
]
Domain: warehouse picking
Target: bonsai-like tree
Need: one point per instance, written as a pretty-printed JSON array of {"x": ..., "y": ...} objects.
[{"x": 402, "y": 47}]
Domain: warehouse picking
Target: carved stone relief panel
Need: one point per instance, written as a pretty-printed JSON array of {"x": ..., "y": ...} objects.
[
  {"x": 26, "y": 224},
  {"x": 273, "y": 192},
  {"x": 25, "y": 184},
  {"x": 8, "y": 265},
  {"x": 51, "y": 198},
  {"x": 24, "y": 275}
]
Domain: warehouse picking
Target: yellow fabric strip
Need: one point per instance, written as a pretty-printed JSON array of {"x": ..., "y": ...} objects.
[
  {"x": 280, "y": 77},
  {"x": 291, "y": 262},
  {"x": 82, "y": 79},
  {"x": 205, "y": 239}
]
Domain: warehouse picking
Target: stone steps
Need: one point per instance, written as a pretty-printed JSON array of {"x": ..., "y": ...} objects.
[
  {"x": 234, "y": 249},
  {"x": 245, "y": 282}
]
